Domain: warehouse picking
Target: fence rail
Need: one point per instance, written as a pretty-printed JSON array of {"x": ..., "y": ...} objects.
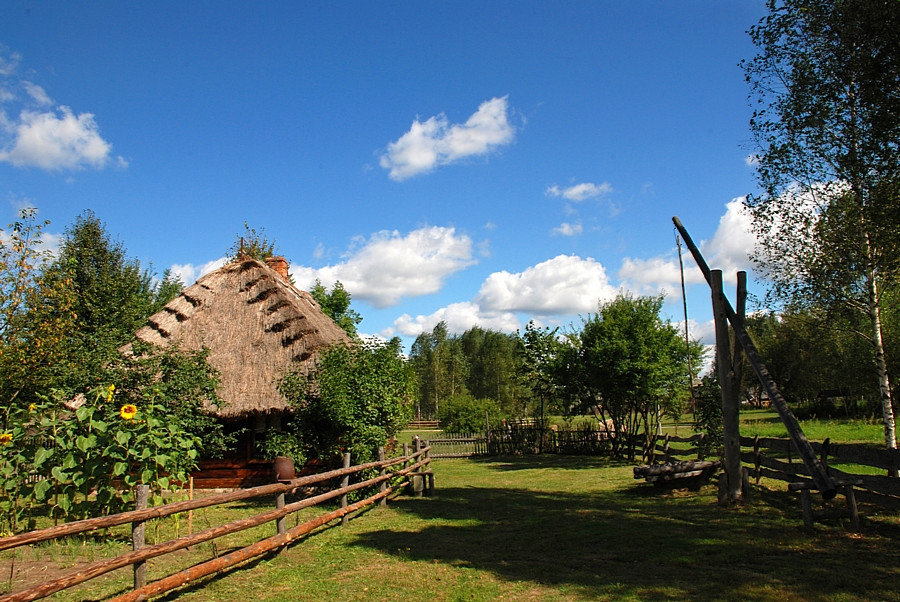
[
  {"x": 778, "y": 459},
  {"x": 393, "y": 473}
]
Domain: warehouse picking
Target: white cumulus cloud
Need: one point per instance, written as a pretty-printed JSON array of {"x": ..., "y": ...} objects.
[
  {"x": 42, "y": 136},
  {"x": 389, "y": 266},
  {"x": 435, "y": 141},
  {"x": 564, "y": 285},
  {"x": 580, "y": 192},
  {"x": 459, "y": 317},
  {"x": 728, "y": 250}
]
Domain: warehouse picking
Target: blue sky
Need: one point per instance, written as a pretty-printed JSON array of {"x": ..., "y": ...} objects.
[{"x": 475, "y": 162}]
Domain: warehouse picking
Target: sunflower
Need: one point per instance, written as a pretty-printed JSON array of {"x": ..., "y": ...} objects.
[
  {"x": 5, "y": 439},
  {"x": 128, "y": 411},
  {"x": 109, "y": 393}
]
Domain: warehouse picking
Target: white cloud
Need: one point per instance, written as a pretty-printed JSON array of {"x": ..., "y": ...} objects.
[
  {"x": 564, "y": 285},
  {"x": 388, "y": 267},
  {"x": 567, "y": 229},
  {"x": 55, "y": 141},
  {"x": 36, "y": 93},
  {"x": 728, "y": 250},
  {"x": 42, "y": 136},
  {"x": 459, "y": 318},
  {"x": 730, "y": 247},
  {"x": 580, "y": 192},
  {"x": 189, "y": 273},
  {"x": 436, "y": 142}
]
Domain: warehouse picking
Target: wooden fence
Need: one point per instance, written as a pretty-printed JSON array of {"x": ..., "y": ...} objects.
[
  {"x": 778, "y": 459},
  {"x": 409, "y": 469},
  {"x": 517, "y": 439}
]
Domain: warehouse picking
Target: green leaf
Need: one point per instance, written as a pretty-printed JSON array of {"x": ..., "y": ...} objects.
[
  {"x": 59, "y": 474},
  {"x": 40, "y": 490},
  {"x": 84, "y": 413},
  {"x": 146, "y": 476},
  {"x": 119, "y": 468},
  {"x": 42, "y": 455},
  {"x": 122, "y": 437}
]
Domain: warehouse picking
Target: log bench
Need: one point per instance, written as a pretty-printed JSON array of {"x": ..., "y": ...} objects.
[
  {"x": 844, "y": 485},
  {"x": 690, "y": 473}
]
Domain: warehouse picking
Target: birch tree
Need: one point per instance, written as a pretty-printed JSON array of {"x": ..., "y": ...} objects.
[{"x": 826, "y": 88}]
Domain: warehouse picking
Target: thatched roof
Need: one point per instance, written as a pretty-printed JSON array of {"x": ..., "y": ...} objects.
[{"x": 256, "y": 326}]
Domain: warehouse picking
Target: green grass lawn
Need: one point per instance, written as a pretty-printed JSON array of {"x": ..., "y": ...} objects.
[
  {"x": 766, "y": 423},
  {"x": 564, "y": 528},
  {"x": 538, "y": 528}
]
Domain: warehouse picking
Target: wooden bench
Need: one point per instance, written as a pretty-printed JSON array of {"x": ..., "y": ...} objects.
[
  {"x": 694, "y": 472},
  {"x": 844, "y": 485}
]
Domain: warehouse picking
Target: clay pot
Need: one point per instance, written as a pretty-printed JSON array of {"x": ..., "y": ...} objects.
[{"x": 284, "y": 468}]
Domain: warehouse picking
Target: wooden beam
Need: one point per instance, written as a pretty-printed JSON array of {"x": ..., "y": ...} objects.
[{"x": 824, "y": 483}]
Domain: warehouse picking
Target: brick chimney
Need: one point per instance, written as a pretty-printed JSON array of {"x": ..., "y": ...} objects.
[{"x": 280, "y": 265}]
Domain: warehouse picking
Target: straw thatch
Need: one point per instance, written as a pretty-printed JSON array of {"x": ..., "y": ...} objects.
[{"x": 256, "y": 326}]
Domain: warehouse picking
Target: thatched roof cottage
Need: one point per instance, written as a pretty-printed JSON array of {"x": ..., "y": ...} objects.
[{"x": 257, "y": 326}]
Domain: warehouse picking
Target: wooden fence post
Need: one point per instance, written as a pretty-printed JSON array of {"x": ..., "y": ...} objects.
[
  {"x": 138, "y": 531},
  {"x": 757, "y": 458},
  {"x": 281, "y": 522},
  {"x": 730, "y": 396},
  {"x": 344, "y": 483},
  {"x": 383, "y": 487}
]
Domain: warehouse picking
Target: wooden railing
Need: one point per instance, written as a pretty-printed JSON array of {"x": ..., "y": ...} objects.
[
  {"x": 393, "y": 473},
  {"x": 778, "y": 459}
]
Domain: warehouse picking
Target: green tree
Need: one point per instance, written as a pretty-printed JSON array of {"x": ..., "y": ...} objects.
[
  {"x": 113, "y": 297},
  {"x": 36, "y": 313},
  {"x": 542, "y": 352},
  {"x": 493, "y": 360},
  {"x": 354, "y": 400},
  {"x": 826, "y": 82},
  {"x": 629, "y": 363},
  {"x": 336, "y": 305}
]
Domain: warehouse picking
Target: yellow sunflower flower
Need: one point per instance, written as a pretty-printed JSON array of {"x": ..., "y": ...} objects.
[
  {"x": 109, "y": 392},
  {"x": 5, "y": 439},
  {"x": 128, "y": 411},
  {"x": 32, "y": 408}
]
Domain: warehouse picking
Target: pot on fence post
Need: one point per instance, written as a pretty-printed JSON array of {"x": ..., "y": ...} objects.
[{"x": 284, "y": 468}]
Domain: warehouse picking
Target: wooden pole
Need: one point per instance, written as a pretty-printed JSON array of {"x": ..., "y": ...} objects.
[
  {"x": 344, "y": 483},
  {"x": 190, "y": 512},
  {"x": 731, "y": 420},
  {"x": 281, "y": 522},
  {"x": 138, "y": 530},
  {"x": 824, "y": 482},
  {"x": 383, "y": 486}
]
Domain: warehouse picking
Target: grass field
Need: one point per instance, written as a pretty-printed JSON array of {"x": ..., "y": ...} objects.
[
  {"x": 536, "y": 528},
  {"x": 563, "y": 528}
]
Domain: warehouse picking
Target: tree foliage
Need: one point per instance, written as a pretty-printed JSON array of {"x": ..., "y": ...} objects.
[
  {"x": 354, "y": 400},
  {"x": 826, "y": 82},
  {"x": 336, "y": 305},
  {"x": 482, "y": 363},
  {"x": 37, "y": 313},
  {"x": 628, "y": 363}
]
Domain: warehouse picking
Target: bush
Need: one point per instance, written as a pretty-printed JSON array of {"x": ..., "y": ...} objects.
[
  {"x": 354, "y": 400},
  {"x": 465, "y": 414}
]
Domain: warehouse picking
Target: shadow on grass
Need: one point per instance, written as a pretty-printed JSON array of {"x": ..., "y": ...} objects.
[{"x": 640, "y": 542}]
